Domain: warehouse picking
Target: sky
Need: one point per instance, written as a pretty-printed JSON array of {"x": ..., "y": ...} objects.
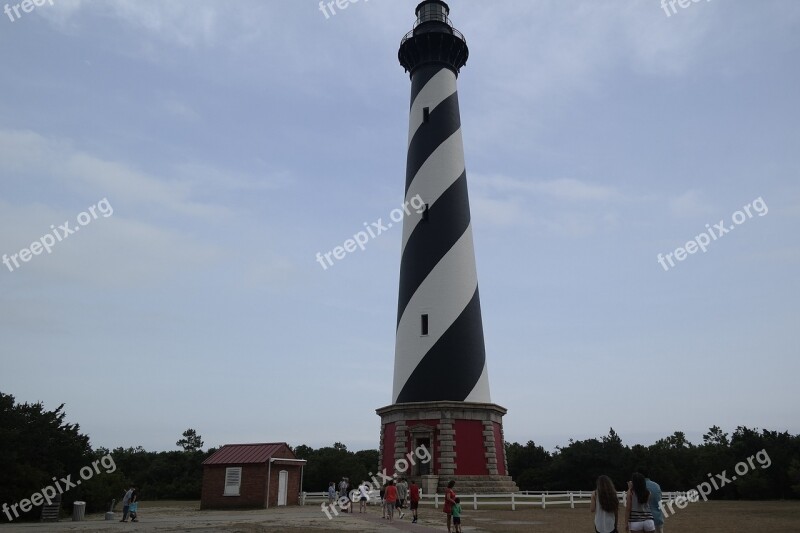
[{"x": 202, "y": 153}]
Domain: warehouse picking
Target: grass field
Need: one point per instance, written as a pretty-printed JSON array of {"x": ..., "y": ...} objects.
[{"x": 701, "y": 517}]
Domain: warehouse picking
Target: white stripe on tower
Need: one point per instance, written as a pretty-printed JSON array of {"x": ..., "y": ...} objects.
[
  {"x": 438, "y": 278},
  {"x": 438, "y": 173},
  {"x": 442, "y": 85},
  {"x": 448, "y": 289}
]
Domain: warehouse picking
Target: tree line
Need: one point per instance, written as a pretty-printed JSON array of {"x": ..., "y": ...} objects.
[
  {"x": 673, "y": 462},
  {"x": 37, "y": 448}
]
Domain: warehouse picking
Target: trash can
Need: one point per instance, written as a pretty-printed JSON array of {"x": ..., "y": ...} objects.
[{"x": 78, "y": 510}]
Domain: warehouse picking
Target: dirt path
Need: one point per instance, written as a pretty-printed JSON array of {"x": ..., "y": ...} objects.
[{"x": 731, "y": 517}]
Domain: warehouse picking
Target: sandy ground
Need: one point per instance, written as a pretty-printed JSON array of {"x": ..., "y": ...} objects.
[{"x": 729, "y": 517}]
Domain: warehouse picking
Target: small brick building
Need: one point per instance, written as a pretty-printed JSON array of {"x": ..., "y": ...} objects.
[{"x": 236, "y": 476}]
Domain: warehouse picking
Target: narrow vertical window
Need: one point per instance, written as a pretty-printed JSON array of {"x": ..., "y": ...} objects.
[
  {"x": 425, "y": 213},
  {"x": 424, "y": 325},
  {"x": 233, "y": 480},
  {"x": 426, "y": 114}
]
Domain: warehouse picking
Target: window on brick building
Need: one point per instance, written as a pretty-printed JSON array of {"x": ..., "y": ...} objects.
[{"x": 233, "y": 480}]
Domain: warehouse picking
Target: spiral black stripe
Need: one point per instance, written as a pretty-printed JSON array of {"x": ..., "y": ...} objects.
[
  {"x": 452, "y": 367},
  {"x": 420, "y": 79},
  {"x": 444, "y": 121},
  {"x": 430, "y": 241}
]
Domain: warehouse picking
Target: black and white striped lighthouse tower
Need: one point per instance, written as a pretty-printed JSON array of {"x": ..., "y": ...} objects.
[{"x": 441, "y": 385}]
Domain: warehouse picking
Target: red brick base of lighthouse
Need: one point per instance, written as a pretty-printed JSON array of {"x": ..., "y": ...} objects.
[{"x": 463, "y": 440}]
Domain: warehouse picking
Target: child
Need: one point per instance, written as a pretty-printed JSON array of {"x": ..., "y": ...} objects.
[
  {"x": 134, "y": 506},
  {"x": 457, "y": 515}
]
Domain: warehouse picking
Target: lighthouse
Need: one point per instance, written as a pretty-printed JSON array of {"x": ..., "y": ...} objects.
[{"x": 440, "y": 394}]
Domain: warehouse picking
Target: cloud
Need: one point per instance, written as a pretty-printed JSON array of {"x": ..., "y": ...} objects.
[
  {"x": 567, "y": 189},
  {"x": 562, "y": 206},
  {"x": 57, "y": 163},
  {"x": 114, "y": 251},
  {"x": 184, "y": 23},
  {"x": 690, "y": 205}
]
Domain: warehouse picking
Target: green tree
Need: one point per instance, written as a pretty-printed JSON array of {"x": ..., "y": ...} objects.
[
  {"x": 36, "y": 445},
  {"x": 191, "y": 441}
]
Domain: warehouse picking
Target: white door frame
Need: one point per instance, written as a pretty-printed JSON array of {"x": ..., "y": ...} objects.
[{"x": 283, "y": 487}]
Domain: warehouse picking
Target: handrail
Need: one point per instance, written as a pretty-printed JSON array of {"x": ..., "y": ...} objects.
[{"x": 454, "y": 31}]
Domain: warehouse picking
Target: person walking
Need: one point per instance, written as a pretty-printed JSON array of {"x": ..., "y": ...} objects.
[
  {"x": 605, "y": 506},
  {"x": 391, "y": 499},
  {"x": 134, "y": 506},
  {"x": 654, "y": 501},
  {"x": 402, "y": 495},
  {"x": 331, "y": 492},
  {"x": 640, "y": 518},
  {"x": 449, "y": 501},
  {"x": 343, "y": 486},
  {"x": 413, "y": 495},
  {"x": 126, "y": 504},
  {"x": 363, "y": 496}
]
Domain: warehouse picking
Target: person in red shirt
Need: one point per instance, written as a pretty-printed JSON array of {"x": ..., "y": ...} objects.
[
  {"x": 413, "y": 495},
  {"x": 449, "y": 502},
  {"x": 391, "y": 498}
]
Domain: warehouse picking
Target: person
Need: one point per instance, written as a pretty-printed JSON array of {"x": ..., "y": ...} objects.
[
  {"x": 343, "y": 485},
  {"x": 331, "y": 492},
  {"x": 413, "y": 494},
  {"x": 449, "y": 501},
  {"x": 391, "y": 498},
  {"x": 402, "y": 494},
  {"x": 134, "y": 506},
  {"x": 383, "y": 499},
  {"x": 605, "y": 506},
  {"x": 654, "y": 501},
  {"x": 126, "y": 502},
  {"x": 640, "y": 518},
  {"x": 363, "y": 497},
  {"x": 457, "y": 515}
]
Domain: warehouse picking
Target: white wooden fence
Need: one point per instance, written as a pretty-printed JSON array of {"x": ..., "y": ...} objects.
[{"x": 541, "y": 499}]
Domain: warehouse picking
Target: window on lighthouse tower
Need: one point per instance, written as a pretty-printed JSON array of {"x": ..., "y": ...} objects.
[
  {"x": 424, "y": 325},
  {"x": 426, "y": 115}
]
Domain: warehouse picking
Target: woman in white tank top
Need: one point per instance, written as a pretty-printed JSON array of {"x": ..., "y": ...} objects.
[{"x": 605, "y": 506}]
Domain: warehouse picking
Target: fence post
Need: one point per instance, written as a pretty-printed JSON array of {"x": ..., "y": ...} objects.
[
  {"x": 571, "y": 501},
  {"x": 436, "y": 501},
  {"x": 474, "y": 501},
  {"x": 513, "y": 503},
  {"x": 543, "y": 500}
]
